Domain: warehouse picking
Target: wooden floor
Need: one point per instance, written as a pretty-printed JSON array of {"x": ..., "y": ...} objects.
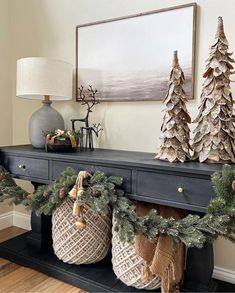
[{"x": 17, "y": 279}]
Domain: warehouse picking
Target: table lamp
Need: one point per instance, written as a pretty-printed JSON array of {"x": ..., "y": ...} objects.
[{"x": 44, "y": 79}]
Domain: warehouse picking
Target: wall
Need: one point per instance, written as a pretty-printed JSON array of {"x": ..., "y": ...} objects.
[
  {"x": 47, "y": 28},
  {"x": 5, "y": 83}
]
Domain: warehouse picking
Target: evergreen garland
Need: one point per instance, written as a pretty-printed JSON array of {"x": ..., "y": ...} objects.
[
  {"x": 9, "y": 189},
  {"x": 101, "y": 191},
  {"x": 46, "y": 198}
]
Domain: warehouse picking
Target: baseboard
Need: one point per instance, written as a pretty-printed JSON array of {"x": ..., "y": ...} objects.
[
  {"x": 224, "y": 275},
  {"x": 14, "y": 218},
  {"x": 6, "y": 220},
  {"x": 21, "y": 220}
]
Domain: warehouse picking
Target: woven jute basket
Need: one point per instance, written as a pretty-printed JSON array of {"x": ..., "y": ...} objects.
[
  {"x": 128, "y": 266},
  {"x": 80, "y": 247}
]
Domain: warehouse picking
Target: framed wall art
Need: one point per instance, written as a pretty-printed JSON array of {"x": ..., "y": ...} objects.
[{"x": 129, "y": 58}]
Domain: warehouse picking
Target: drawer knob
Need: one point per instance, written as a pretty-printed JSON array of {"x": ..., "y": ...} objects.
[
  {"x": 22, "y": 167},
  {"x": 180, "y": 189}
]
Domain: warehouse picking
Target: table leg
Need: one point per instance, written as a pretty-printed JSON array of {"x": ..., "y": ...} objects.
[
  {"x": 199, "y": 270},
  {"x": 40, "y": 235}
]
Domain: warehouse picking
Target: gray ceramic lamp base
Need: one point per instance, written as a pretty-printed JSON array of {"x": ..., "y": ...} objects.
[{"x": 43, "y": 120}]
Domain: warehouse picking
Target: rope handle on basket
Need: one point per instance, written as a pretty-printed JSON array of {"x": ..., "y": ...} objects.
[{"x": 76, "y": 193}]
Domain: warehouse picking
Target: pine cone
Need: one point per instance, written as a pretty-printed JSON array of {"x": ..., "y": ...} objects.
[
  {"x": 46, "y": 194},
  {"x": 62, "y": 193},
  {"x": 2, "y": 177},
  {"x": 233, "y": 185},
  {"x": 95, "y": 193}
]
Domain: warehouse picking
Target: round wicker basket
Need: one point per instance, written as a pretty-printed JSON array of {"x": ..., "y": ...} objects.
[
  {"x": 127, "y": 265},
  {"x": 80, "y": 247}
]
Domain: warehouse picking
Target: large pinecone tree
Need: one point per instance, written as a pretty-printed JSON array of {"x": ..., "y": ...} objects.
[
  {"x": 215, "y": 132},
  {"x": 175, "y": 131}
]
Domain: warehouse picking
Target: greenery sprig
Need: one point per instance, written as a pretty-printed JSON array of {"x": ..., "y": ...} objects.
[
  {"x": 101, "y": 191},
  {"x": 9, "y": 189}
]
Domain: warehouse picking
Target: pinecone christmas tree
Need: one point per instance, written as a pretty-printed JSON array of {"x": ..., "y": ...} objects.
[
  {"x": 215, "y": 132},
  {"x": 175, "y": 131}
]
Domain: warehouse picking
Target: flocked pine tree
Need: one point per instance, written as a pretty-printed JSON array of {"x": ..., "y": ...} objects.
[
  {"x": 175, "y": 131},
  {"x": 215, "y": 132}
]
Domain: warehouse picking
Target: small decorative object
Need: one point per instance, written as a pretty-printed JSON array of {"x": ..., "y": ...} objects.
[
  {"x": 80, "y": 234},
  {"x": 127, "y": 61},
  {"x": 44, "y": 79},
  {"x": 88, "y": 99},
  {"x": 61, "y": 140},
  {"x": 214, "y": 139},
  {"x": 175, "y": 131}
]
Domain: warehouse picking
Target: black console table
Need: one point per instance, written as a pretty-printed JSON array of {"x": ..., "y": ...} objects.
[{"x": 185, "y": 186}]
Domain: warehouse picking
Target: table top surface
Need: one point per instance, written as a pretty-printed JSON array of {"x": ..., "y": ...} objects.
[{"x": 114, "y": 157}]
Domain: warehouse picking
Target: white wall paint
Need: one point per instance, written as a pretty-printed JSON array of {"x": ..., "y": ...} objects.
[
  {"x": 5, "y": 77},
  {"x": 5, "y": 84},
  {"x": 47, "y": 28}
]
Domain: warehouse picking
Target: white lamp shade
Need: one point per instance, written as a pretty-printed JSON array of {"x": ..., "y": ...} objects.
[{"x": 38, "y": 77}]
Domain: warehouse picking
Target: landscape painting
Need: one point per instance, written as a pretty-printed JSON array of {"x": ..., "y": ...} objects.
[{"x": 130, "y": 58}]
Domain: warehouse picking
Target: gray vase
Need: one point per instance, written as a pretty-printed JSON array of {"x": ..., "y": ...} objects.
[{"x": 43, "y": 120}]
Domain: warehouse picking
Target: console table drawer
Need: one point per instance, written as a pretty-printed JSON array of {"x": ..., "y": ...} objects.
[
  {"x": 58, "y": 167},
  {"x": 196, "y": 191},
  {"x": 28, "y": 167}
]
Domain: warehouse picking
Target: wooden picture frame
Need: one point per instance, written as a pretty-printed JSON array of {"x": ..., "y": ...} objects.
[{"x": 129, "y": 58}]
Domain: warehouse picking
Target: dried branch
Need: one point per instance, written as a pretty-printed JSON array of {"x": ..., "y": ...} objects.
[
  {"x": 88, "y": 99},
  {"x": 92, "y": 96},
  {"x": 97, "y": 128}
]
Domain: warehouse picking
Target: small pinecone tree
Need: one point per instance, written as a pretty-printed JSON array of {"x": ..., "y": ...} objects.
[
  {"x": 215, "y": 132},
  {"x": 175, "y": 131}
]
